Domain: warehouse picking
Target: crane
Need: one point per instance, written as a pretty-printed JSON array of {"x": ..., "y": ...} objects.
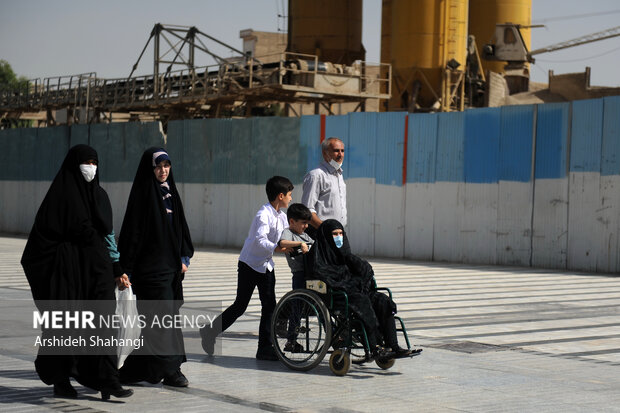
[
  {"x": 509, "y": 45},
  {"x": 588, "y": 38}
]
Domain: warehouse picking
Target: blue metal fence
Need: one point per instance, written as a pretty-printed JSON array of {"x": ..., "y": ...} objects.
[
  {"x": 476, "y": 146},
  {"x": 529, "y": 150}
]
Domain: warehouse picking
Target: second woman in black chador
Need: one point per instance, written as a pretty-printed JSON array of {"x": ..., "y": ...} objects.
[{"x": 155, "y": 247}]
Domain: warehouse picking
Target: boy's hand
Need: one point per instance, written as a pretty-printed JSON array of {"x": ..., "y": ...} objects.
[{"x": 304, "y": 248}]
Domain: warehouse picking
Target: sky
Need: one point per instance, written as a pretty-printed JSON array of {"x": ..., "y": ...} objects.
[{"x": 47, "y": 38}]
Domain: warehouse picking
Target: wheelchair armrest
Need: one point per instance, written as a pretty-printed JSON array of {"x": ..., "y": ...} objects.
[
  {"x": 385, "y": 289},
  {"x": 322, "y": 288},
  {"x": 317, "y": 285}
]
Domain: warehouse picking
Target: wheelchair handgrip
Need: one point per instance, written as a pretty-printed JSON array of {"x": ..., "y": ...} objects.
[
  {"x": 296, "y": 252},
  {"x": 385, "y": 289}
]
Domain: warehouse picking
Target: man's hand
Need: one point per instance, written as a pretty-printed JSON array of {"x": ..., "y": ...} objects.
[{"x": 315, "y": 221}]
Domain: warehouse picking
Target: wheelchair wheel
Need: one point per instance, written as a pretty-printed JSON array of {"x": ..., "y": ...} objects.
[
  {"x": 385, "y": 364},
  {"x": 301, "y": 330},
  {"x": 340, "y": 362}
]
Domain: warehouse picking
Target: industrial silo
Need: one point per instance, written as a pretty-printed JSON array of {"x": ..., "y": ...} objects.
[
  {"x": 428, "y": 45},
  {"x": 484, "y": 14},
  {"x": 327, "y": 28}
]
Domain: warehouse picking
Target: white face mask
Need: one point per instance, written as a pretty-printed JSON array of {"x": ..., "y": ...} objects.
[
  {"x": 335, "y": 164},
  {"x": 88, "y": 172}
]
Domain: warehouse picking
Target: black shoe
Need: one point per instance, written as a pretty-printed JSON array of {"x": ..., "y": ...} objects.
[
  {"x": 267, "y": 353},
  {"x": 293, "y": 347},
  {"x": 208, "y": 340},
  {"x": 382, "y": 354},
  {"x": 338, "y": 342},
  {"x": 65, "y": 390},
  {"x": 116, "y": 392},
  {"x": 376, "y": 354},
  {"x": 176, "y": 379},
  {"x": 400, "y": 352}
]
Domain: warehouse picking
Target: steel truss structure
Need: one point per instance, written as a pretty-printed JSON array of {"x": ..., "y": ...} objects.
[{"x": 231, "y": 86}]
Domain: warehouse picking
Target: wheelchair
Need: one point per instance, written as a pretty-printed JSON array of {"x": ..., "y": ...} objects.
[{"x": 318, "y": 321}]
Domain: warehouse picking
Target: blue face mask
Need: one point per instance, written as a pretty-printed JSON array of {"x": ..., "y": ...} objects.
[{"x": 338, "y": 239}]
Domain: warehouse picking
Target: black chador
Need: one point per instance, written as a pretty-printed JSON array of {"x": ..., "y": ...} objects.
[
  {"x": 66, "y": 259},
  {"x": 341, "y": 269},
  {"x": 335, "y": 266},
  {"x": 153, "y": 240}
]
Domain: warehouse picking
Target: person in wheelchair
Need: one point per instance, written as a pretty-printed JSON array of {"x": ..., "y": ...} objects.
[{"x": 333, "y": 263}]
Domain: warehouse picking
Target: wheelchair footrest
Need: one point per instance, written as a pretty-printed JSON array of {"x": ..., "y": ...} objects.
[{"x": 361, "y": 360}]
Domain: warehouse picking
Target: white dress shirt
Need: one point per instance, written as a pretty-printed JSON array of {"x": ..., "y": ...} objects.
[
  {"x": 263, "y": 238},
  {"x": 325, "y": 193}
]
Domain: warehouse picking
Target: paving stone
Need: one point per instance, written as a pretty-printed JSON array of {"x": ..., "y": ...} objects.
[{"x": 495, "y": 339}]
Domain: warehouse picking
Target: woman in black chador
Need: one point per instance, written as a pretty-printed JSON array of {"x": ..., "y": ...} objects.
[
  {"x": 66, "y": 259},
  {"x": 333, "y": 262},
  {"x": 155, "y": 247}
]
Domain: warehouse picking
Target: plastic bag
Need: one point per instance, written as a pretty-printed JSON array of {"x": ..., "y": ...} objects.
[{"x": 127, "y": 310}]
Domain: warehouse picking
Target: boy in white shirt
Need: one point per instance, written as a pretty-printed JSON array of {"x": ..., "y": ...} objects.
[{"x": 256, "y": 269}]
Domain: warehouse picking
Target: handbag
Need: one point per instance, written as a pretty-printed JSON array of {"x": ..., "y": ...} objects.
[{"x": 129, "y": 330}]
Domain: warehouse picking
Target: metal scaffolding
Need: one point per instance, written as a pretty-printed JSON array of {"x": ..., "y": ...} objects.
[{"x": 232, "y": 85}]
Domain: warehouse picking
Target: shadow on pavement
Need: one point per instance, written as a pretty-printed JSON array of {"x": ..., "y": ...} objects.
[{"x": 250, "y": 363}]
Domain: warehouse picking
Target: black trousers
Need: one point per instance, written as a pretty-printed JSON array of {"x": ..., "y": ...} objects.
[{"x": 247, "y": 280}]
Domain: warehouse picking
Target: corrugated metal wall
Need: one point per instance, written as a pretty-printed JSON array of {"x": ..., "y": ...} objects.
[
  {"x": 523, "y": 185},
  {"x": 515, "y": 186}
]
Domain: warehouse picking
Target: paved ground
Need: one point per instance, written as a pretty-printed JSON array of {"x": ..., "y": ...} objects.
[{"x": 495, "y": 339}]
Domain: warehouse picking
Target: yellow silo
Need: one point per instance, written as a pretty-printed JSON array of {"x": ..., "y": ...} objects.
[
  {"x": 327, "y": 28},
  {"x": 425, "y": 35},
  {"x": 484, "y": 14}
]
